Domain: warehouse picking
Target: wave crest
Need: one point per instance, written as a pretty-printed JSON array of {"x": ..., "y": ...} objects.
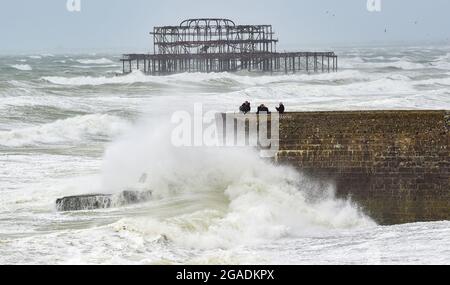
[
  {"x": 216, "y": 198},
  {"x": 202, "y": 78},
  {"x": 22, "y": 67},
  {"x": 95, "y": 61},
  {"x": 71, "y": 130}
]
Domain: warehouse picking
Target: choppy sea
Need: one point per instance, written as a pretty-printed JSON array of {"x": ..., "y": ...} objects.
[{"x": 69, "y": 125}]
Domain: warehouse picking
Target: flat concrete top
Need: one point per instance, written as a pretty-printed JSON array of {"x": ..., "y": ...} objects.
[
  {"x": 86, "y": 196},
  {"x": 373, "y": 112},
  {"x": 363, "y": 112}
]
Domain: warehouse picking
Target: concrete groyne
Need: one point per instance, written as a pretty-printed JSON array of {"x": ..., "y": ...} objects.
[
  {"x": 101, "y": 201},
  {"x": 394, "y": 164}
]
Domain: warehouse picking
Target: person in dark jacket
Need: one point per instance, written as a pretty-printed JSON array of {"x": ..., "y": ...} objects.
[
  {"x": 263, "y": 109},
  {"x": 245, "y": 108},
  {"x": 249, "y": 107},
  {"x": 242, "y": 108},
  {"x": 280, "y": 108}
]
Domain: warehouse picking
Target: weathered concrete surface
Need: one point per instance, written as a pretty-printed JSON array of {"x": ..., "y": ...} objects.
[
  {"x": 394, "y": 164},
  {"x": 101, "y": 201}
]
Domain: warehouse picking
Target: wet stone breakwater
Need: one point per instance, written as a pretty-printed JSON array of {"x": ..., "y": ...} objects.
[
  {"x": 395, "y": 164},
  {"x": 101, "y": 201}
]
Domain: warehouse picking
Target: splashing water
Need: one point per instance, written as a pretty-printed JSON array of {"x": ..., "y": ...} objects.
[
  {"x": 241, "y": 198},
  {"x": 68, "y": 126}
]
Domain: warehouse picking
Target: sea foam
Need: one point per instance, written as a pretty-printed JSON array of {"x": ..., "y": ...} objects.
[
  {"x": 232, "y": 196},
  {"x": 202, "y": 78},
  {"x": 69, "y": 131},
  {"x": 22, "y": 67},
  {"x": 95, "y": 61}
]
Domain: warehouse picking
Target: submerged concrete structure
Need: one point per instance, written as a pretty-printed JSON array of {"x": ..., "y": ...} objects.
[
  {"x": 394, "y": 164},
  {"x": 101, "y": 201},
  {"x": 219, "y": 45}
]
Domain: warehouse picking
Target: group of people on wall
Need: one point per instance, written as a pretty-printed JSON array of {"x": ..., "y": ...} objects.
[{"x": 246, "y": 108}]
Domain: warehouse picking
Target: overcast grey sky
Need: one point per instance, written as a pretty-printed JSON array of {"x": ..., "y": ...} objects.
[{"x": 123, "y": 25}]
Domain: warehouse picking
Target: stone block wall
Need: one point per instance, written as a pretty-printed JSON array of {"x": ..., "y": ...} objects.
[{"x": 394, "y": 164}]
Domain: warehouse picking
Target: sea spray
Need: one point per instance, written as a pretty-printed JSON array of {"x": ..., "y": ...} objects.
[
  {"x": 242, "y": 199},
  {"x": 32, "y": 179}
]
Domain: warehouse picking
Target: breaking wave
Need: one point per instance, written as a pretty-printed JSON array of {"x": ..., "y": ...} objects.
[
  {"x": 135, "y": 77},
  {"x": 72, "y": 130},
  {"x": 202, "y": 78},
  {"x": 220, "y": 198},
  {"x": 22, "y": 67},
  {"x": 360, "y": 63},
  {"x": 95, "y": 61},
  {"x": 445, "y": 57},
  {"x": 435, "y": 81}
]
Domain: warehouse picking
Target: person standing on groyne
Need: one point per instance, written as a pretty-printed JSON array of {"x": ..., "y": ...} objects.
[
  {"x": 245, "y": 108},
  {"x": 280, "y": 108},
  {"x": 263, "y": 109}
]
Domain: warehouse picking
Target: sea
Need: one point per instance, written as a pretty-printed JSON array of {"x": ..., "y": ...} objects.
[{"x": 70, "y": 125}]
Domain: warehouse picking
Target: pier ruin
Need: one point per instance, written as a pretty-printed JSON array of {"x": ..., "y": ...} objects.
[{"x": 219, "y": 45}]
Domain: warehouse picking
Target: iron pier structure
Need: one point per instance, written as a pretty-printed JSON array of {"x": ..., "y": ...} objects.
[{"x": 219, "y": 45}]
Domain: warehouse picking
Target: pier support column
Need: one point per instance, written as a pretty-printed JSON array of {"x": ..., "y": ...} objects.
[
  {"x": 293, "y": 64},
  {"x": 307, "y": 63},
  {"x": 285, "y": 65},
  {"x": 322, "y": 64},
  {"x": 315, "y": 63}
]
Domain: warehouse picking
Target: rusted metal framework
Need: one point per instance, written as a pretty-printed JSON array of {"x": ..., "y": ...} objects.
[{"x": 217, "y": 45}]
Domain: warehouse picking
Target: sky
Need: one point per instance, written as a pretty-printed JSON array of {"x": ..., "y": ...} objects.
[{"x": 123, "y": 25}]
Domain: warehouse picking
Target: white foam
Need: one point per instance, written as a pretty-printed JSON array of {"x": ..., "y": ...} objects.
[
  {"x": 202, "y": 78},
  {"x": 211, "y": 205},
  {"x": 357, "y": 86},
  {"x": 95, "y": 66},
  {"x": 236, "y": 198},
  {"x": 134, "y": 77},
  {"x": 358, "y": 63},
  {"x": 22, "y": 67},
  {"x": 440, "y": 81},
  {"x": 445, "y": 57},
  {"x": 95, "y": 61},
  {"x": 72, "y": 130},
  {"x": 442, "y": 62}
]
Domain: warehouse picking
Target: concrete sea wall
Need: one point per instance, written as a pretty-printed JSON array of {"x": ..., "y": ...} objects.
[{"x": 394, "y": 164}]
